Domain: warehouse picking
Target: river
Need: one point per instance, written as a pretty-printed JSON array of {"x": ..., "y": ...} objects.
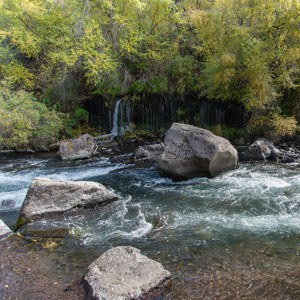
[{"x": 236, "y": 236}]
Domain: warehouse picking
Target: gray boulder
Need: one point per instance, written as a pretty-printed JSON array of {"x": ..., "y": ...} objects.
[
  {"x": 148, "y": 155},
  {"x": 261, "y": 149},
  {"x": 4, "y": 230},
  {"x": 46, "y": 196},
  {"x": 123, "y": 273},
  {"x": 195, "y": 152},
  {"x": 82, "y": 147}
]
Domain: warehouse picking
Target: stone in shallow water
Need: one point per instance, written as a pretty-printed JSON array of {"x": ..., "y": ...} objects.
[
  {"x": 124, "y": 273},
  {"x": 8, "y": 203},
  {"x": 27, "y": 272},
  {"x": 4, "y": 230},
  {"x": 46, "y": 196}
]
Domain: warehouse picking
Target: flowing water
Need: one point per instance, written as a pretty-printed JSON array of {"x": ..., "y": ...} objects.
[
  {"x": 115, "y": 128},
  {"x": 236, "y": 236}
]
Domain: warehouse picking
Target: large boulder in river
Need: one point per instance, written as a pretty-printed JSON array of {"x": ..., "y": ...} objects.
[
  {"x": 124, "y": 273},
  {"x": 82, "y": 147},
  {"x": 195, "y": 152},
  {"x": 46, "y": 196},
  {"x": 4, "y": 230}
]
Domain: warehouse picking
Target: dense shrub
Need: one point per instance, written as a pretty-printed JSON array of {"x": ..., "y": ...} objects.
[
  {"x": 23, "y": 119},
  {"x": 271, "y": 125}
]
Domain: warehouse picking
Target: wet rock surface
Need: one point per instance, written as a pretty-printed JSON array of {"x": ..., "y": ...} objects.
[
  {"x": 46, "y": 196},
  {"x": 31, "y": 231},
  {"x": 265, "y": 150},
  {"x": 148, "y": 155},
  {"x": 195, "y": 152},
  {"x": 261, "y": 149},
  {"x": 81, "y": 147},
  {"x": 4, "y": 230},
  {"x": 124, "y": 273},
  {"x": 27, "y": 273}
]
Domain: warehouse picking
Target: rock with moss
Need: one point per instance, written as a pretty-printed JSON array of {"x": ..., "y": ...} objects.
[
  {"x": 195, "y": 152},
  {"x": 79, "y": 148},
  {"x": 124, "y": 273},
  {"x": 46, "y": 197},
  {"x": 36, "y": 231},
  {"x": 4, "y": 230}
]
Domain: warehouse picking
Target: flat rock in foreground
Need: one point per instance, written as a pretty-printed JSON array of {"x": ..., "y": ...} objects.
[
  {"x": 195, "y": 152},
  {"x": 46, "y": 196},
  {"x": 123, "y": 273},
  {"x": 4, "y": 230}
]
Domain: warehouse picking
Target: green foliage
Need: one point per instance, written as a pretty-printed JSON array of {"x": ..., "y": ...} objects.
[
  {"x": 23, "y": 119},
  {"x": 76, "y": 123},
  {"x": 81, "y": 115},
  {"x": 142, "y": 134},
  {"x": 229, "y": 133},
  {"x": 272, "y": 125},
  {"x": 250, "y": 54},
  {"x": 227, "y": 50}
]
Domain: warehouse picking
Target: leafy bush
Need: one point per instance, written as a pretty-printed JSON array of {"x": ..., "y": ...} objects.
[
  {"x": 76, "y": 123},
  {"x": 23, "y": 119},
  {"x": 271, "y": 125}
]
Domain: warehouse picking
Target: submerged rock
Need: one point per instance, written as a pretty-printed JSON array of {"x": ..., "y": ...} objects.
[
  {"x": 124, "y": 273},
  {"x": 26, "y": 272},
  {"x": 4, "y": 230},
  {"x": 46, "y": 196},
  {"x": 8, "y": 203},
  {"x": 195, "y": 152},
  {"x": 82, "y": 147},
  {"x": 44, "y": 233}
]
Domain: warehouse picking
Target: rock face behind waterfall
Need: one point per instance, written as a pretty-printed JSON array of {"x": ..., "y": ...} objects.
[
  {"x": 195, "y": 152},
  {"x": 46, "y": 196},
  {"x": 124, "y": 273},
  {"x": 82, "y": 147}
]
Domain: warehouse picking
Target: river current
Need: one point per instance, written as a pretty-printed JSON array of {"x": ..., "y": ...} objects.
[{"x": 236, "y": 236}]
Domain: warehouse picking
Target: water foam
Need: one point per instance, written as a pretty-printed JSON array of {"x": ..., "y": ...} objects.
[
  {"x": 263, "y": 224},
  {"x": 123, "y": 220},
  {"x": 14, "y": 185}
]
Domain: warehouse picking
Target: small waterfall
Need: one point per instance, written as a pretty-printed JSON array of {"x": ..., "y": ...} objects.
[{"x": 115, "y": 129}]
